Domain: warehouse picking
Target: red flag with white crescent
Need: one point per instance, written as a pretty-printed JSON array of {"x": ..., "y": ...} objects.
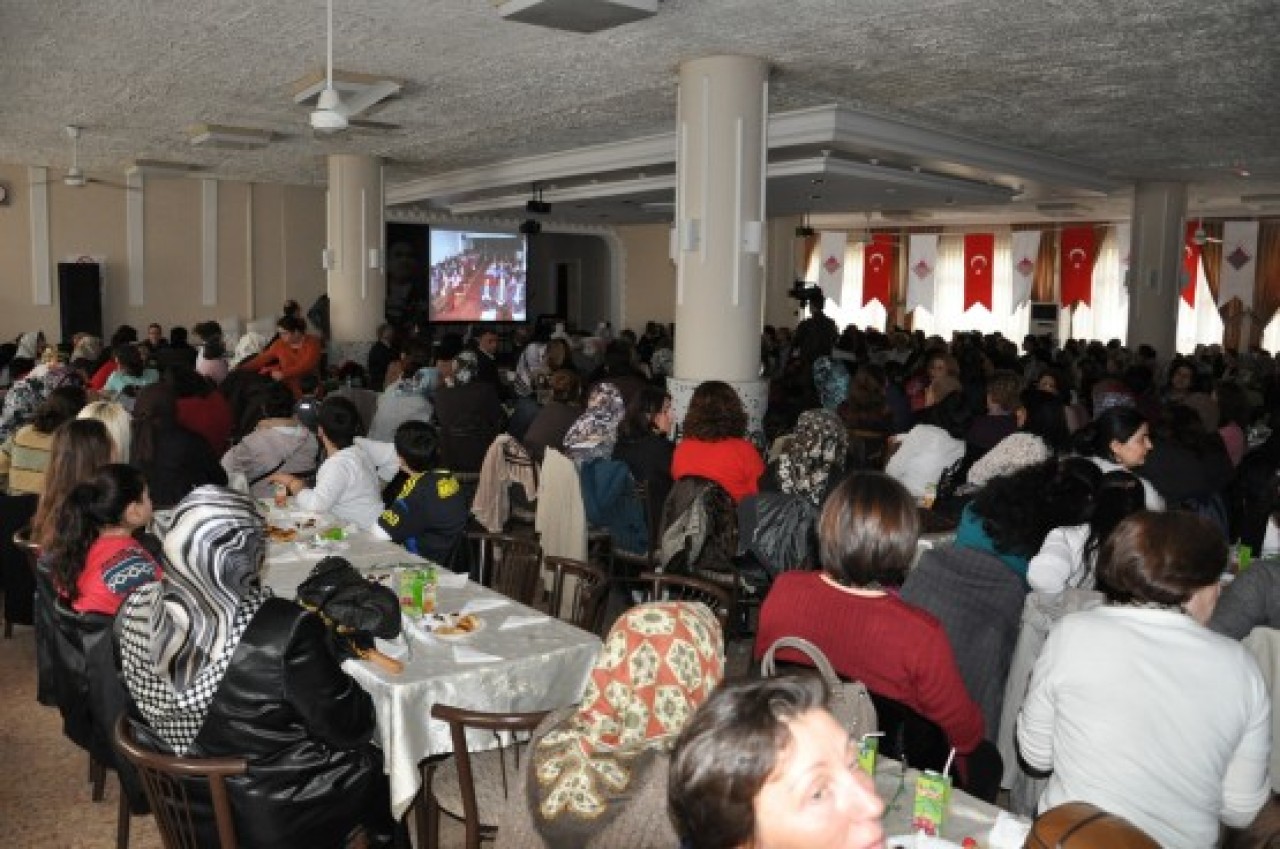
[
  {"x": 877, "y": 263},
  {"x": 1075, "y": 266},
  {"x": 1190, "y": 264},
  {"x": 979, "y": 260}
]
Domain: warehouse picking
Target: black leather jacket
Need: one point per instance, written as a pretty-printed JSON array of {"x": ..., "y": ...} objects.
[{"x": 305, "y": 727}]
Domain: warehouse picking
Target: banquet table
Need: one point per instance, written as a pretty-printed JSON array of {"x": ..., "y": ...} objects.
[
  {"x": 519, "y": 661},
  {"x": 967, "y": 816}
]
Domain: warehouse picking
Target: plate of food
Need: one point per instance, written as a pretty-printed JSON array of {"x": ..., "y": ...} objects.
[
  {"x": 277, "y": 533},
  {"x": 452, "y": 626}
]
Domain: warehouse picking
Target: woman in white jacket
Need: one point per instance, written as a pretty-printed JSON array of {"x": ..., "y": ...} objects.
[{"x": 1138, "y": 708}]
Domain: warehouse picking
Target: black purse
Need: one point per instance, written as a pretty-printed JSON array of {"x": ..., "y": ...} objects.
[{"x": 349, "y": 603}]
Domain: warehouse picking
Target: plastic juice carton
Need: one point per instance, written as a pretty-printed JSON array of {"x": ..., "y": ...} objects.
[
  {"x": 933, "y": 794},
  {"x": 410, "y": 586},
  {"x": 868, "y": 749}
]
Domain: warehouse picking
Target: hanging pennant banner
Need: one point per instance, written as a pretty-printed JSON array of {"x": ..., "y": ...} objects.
[
  {"x": 1075, "y": 266},
  {"x": 831, "y": 244},
  {"x": 1023, "y": 247},
  {"x": 979, "y": 256},
  {"x": 922, "y": 261},
  {"x": 1190, "y": 263},
  {"x": 878, "y": 257},
  {"x": 1239, "y": 262}
]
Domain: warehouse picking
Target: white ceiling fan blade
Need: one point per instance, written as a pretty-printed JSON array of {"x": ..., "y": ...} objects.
[{"x": 355, "y": 104}]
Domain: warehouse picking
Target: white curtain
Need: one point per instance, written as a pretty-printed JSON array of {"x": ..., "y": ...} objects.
[
  {"x": 1107, "y": 316},
  {"x": 1201, "y": 324}
]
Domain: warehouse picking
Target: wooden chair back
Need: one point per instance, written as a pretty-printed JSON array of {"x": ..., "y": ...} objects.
[
  {"x": 579, "y": 592},
  {"x": 662, "y": 586},
  {"x": 163, "y": 779},
  {"x": 510, "y": 565}
]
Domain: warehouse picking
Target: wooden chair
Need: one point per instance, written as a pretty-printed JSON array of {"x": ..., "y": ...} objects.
[
  {"x": 163, "y": 779},
  {"x": 578, "y": 592},
  {"x": 18, "y": 579},
  {"x": 470, "y": 787},
  {"x": 508, "y": 564},
  {"x": 661, "y": 586}
]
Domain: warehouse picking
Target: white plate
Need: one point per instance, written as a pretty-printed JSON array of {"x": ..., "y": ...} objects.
[
  {"x": 919, "y": 841},
  {"x": 434, "y": 621}
]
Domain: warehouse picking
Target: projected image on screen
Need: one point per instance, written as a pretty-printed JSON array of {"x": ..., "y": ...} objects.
[{"x": 477, "y": 276}]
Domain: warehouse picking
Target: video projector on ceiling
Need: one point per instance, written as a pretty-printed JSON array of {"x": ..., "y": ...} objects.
[{"x": 578, "y": 15}]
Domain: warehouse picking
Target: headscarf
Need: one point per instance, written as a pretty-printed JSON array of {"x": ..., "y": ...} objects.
[
  {"x": 532, "y": 360},
  {"x": 28, "y": 346},
  {"x": 177, "y": 635},
  {"x": 465, "y": 366},
  {"x": 658, "y": 664},
  {"x": 594, "y": 434},
  {"x": 248, "y": 345},
  {"x": 87, "y": 348},
  {"x": 25, "y": 396},
  {"x": 831, "y": 379},
  {"x": 818, "y": 446}
]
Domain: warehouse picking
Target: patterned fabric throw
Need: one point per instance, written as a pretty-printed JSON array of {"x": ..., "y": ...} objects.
[
  {"x": 658, "y": 664},
  {"x": 177, "y": 636},
  {"x": 817, "y": 448},
  {"x": 594, "y": 434}
]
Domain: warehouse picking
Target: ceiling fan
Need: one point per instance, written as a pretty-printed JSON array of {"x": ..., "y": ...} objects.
[
  {"x": 74, "y": 177},
  {"x": 332, "y": 114}
]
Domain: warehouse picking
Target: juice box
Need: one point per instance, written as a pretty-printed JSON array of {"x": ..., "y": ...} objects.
[
  {"x": 868, "y": 749},
  {"x": 410, "y": 590},
  {"x": 933, "y": 793}
]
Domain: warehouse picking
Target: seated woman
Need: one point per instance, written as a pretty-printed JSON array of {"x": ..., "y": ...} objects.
[
  {"x": 1067, "y": 558},
  {"x": 764, "y": 765},
  {"x": 79, "y": 449},
  {"x": 644, "y": 444},
  {"x": 96, "y": 559},
  {"x": 25, "y": 455},
  {"x": 867, "y": 541},
  {"x": 119, "y": 425},
  {"x": 812, "y": 463},
  {"x": 278, "y": 443},
  {"x": 409, "y": 397},
  {"x": 174, "y": 459},
  {"x": 557, "y": 415},
  {"x": 219, "y": 668},
  {"x": 131, "y": 371},
  {"x": 932, "y": 446},
  {"x": 1138, "y": 708},
  {"x": 1188, "y": 463},
  {"x": 594, "y": 434},
  {"x": 713, "y": 442},
  {"x": 867, "y": 406},
  {"x": 1041, "y": 434},
  {"x": 470, "y": 415},
  {"x": 1119, "y": 439},
  {"x": 597, "y": 772}
]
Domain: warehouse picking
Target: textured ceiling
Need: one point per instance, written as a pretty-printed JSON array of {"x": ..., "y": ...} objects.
[{"x": 1162, "y": 89}]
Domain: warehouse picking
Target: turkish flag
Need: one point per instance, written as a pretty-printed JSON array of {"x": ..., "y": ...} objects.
[
  {"x": 1076, "y": 265},
  {"x": 1190, "y": 263},
  {"x": 877, "y": 264},
  {"x": 979, "y": 260}
]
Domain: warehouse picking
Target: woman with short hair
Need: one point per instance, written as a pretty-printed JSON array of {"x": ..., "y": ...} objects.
[
  {"x": 866, "y": 543},
  {"x": 1137, "y": 707},
  {"x": 764, "y": 765}
]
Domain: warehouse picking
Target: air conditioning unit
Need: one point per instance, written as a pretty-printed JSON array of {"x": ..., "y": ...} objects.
[{"x": 1044, "y": 319}]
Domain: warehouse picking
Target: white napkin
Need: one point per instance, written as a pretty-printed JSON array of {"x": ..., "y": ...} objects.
[
  {"x": 451, "y": 580},
  {"x": 413, "y": 630},
  {"x": 1009, "y": 832},
  {"x": 520, "y": 620},
  {"x": 396, "y": 648},
  {"x": 466, "y": 654},
  {"x": 480, "y": 605}
]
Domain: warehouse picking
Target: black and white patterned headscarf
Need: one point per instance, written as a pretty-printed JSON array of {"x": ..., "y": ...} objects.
[
  {"x": 817, "y": 448},
  {"x": 595, "y": 432},
  {"x": 177, "y": 635}
]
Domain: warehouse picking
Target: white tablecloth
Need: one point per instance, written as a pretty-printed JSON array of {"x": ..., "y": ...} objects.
[
  {"x": 967, "y": 816},
  {"x": 541, "y": 666}
]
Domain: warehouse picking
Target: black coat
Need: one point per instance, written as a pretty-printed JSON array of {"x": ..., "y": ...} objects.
[{"x": 305, "y": 727}]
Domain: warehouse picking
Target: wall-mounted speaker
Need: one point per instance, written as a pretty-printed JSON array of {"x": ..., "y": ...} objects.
[{"x": 80, "y": 298}]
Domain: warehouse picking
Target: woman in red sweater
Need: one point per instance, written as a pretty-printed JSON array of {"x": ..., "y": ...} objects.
[
  {"x": 713, "y": 442},
  {"x": 867, "y": 540}
]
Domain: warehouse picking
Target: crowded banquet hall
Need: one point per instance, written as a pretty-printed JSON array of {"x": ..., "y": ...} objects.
[{"x": 640, "y": 424}]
